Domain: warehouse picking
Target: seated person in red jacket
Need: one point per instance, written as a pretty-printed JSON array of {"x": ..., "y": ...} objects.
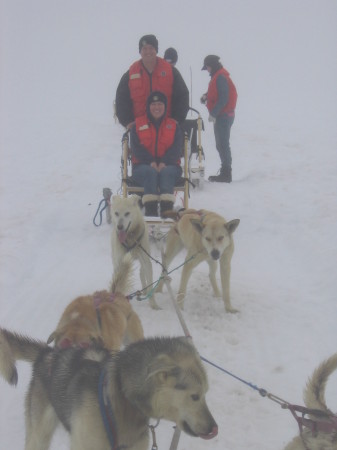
[{"x": 156, "y": 143}]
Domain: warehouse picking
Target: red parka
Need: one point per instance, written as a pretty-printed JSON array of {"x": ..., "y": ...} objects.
[
  {"x": 141, "y": 84},
  {"x": 212, "y": 93},
  {"x": 155, "y": 141}
]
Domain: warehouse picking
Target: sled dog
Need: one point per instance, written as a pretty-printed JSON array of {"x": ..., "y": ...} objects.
[
  {"x": 104, "y": 318},
  {"x": 207, "y": 237},
  {"x": 130, "y": 235},
  {"x": 322, "y": 433},
  {"x": 154, "y": 378}
]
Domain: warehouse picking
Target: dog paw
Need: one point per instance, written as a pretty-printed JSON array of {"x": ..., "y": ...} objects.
[
  {"x": 231, "y": 310},
  {"x": 155, "y": 306}
]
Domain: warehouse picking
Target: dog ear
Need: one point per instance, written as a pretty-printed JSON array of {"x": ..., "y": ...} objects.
[
  {"x": 162, "y": 368},
  {"x": 52, "y": 337},
  {"x": 232, "y": 225},
  {"x": 198, "y": 225}
]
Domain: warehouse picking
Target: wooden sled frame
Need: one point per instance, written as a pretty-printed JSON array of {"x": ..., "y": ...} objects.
[{"x": 194, "y": 128}]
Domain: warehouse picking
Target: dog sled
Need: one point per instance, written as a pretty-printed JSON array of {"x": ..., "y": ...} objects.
[{"x": 192, "y": 162}]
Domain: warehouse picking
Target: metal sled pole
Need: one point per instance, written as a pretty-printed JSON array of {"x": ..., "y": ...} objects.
[
  {"x": 186, "y": 177},
  {"x": 175, "y": 439},
  {"x": 125, "y": 145},
  {"x": 200, "y": 152},
  {"x": 177, "y": 431}
]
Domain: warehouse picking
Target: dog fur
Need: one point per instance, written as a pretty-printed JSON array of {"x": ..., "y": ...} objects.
[
  {"x": 314, "y": 399},
  {"x": 105, "y": 317},
  {"x": 130, "y": 235},
  {"x": 207, "y": 237},
  {"x": 154, "y": 378}
]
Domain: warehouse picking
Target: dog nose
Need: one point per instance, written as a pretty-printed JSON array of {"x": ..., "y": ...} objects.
[
  {"x": 215, "y": 254},
  {"x": 213, "y": 432}
]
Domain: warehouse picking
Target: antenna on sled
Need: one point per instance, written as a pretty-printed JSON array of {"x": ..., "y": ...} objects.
[{"x": 191, "y": 96}]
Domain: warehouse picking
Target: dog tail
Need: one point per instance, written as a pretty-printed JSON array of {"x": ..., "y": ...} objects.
[
  {"x": 14, "y": 347},
  {"x": 314, "y": 393},
  {"x": 122, "y": 277}
]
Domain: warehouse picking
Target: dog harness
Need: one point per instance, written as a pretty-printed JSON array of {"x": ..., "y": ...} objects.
[
  {"x": 97, "y": 303},
  {"x": 109, "y": 419},
  {"x": 327, "y": 425},
  {"x": 107, "y": 413},
  {"x": 123, "y": 240}
]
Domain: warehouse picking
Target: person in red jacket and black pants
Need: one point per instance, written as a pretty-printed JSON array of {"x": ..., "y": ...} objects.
[
  {"x": 156, "y": 143},
  {"x": 148, "y": 74},
  {"x": 221, "y": 102}
]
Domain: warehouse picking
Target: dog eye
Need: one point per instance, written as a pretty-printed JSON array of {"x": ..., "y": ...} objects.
[
  {"x": 126, "y": 214},
  {"x": 195, "y": 397},
  {"x": 208, "y": 239},
  {"x": 116, "y": 214},
  {"x": 220, "y": 238}
]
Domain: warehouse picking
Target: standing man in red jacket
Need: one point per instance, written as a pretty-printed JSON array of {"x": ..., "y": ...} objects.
[
  {"x": 221, "y": 102},
  {"x": 150, "y": 73}
]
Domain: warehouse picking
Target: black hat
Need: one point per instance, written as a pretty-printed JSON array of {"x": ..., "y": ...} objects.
[
  {"x": 148, "y": 39},
  {"x": 157, "y": 96},
  {"x": 171, "y": 55},
  {"x": 211, "y": 61}
]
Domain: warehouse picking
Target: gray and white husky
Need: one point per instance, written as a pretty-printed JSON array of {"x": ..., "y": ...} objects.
[{"x": 154, "y": 378}]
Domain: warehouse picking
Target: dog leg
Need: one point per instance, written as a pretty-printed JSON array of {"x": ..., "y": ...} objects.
[
  {"x": 146, "y": 277},
  {"x": 225, "y": 272},
  {"x": 134, "y": 329},
  {"x": 41, "y": 419},
  {"x": 185, "y": 276},
  {"x": 212, "y": 278},
  {"x": 87, "y": 428},
  {"x": 173, "y": 246}
]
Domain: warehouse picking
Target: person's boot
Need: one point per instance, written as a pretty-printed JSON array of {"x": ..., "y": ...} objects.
[
  {"x": 166, "y": 203},
  {"x": 150, "y": 203},
  {"x": 151, "y": 209},
  {"x": 224, "y": 176}
]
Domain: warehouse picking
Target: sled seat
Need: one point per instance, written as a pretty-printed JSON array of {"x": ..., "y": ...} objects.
[{"x": 129, "y": 186}]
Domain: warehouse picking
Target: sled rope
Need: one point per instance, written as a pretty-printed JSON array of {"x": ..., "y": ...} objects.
[
  {"x": 139, "y": 292},
  {"x": 106, "y": 198},
  {"x": 177, "y": 431},
  {"x": 327, "y": 426},
  {"x": 99, "y": 211}
]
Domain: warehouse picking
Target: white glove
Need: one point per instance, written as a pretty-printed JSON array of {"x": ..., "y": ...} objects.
[
  {"x": 203, "y": 99},
  {"x": 211, "y": 118}
]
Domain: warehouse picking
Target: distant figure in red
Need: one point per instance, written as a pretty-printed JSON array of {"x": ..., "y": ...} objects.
[{"x": 220, "y": 100}]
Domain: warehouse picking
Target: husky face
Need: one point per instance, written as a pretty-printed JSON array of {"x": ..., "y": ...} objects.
[
  {"x": 126, "y": 215},
  {"x": 215, "y": 236}
]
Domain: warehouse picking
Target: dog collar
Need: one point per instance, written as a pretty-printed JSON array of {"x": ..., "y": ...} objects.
[{"x": 135, "y": 244}]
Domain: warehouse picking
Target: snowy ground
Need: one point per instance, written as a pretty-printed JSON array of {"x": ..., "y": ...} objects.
[{"x": 60, "y": 147}]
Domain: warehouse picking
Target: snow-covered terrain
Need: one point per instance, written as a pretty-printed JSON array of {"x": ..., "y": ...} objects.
[{"x": 60, "y": 65}]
